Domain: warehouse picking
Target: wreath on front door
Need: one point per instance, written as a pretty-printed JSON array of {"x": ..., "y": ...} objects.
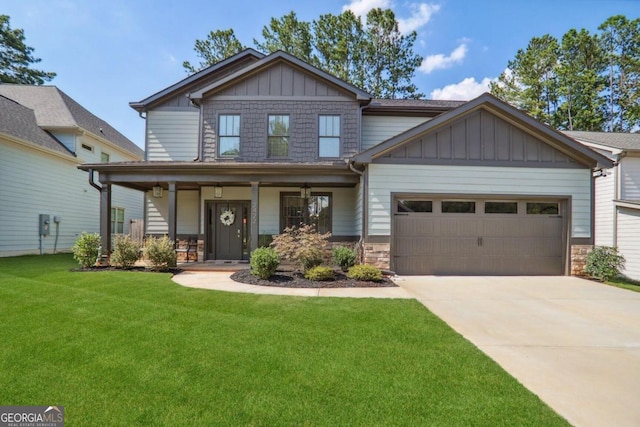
[{"x": 227, "y": 217}]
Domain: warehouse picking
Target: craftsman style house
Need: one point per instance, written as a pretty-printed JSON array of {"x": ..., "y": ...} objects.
[{"x": 255, "y": 143}]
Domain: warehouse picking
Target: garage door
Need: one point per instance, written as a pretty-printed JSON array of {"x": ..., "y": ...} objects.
[{"x": 478, "y": 236}]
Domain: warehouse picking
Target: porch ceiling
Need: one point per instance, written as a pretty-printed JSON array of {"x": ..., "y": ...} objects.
[{"x": 144, "y": 175}]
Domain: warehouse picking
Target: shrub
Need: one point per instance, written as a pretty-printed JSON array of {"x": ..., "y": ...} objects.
[
  {"x": 320, "y": 274},
  {"x": 604, "y": 263},
  {"x": 302, "y": 246},
  {"x": 126, "y": 251},
  {"x": 86, "y": 250},
  {"x": 344, "y": 257},
  {"x": 264, "y": 240},
  {"x": 160, "y": 253},
  {"x": 368, "y": 273},
  {"x": 264, "y": 262}
]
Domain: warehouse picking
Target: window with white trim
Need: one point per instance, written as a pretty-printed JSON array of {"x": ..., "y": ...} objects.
[
  {"x": 229, "y": 135},
  {"x": 278, "y": 135},
  {"x": 329, "y": 136}
]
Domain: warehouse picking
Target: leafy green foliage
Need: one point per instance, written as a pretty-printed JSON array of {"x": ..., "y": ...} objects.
[
  {"x": 604, "y": 263},
  {"x": 86, "y": 249},
  {"x": 365, "y": 272},
  {"x": 16, "y": 58},
  {"x": 372, "y": 55},
  {"x": 343, "y": 257},
  {"x": 264, "y": 262},
  {"x": 126, "y": 251},
  {"x": 588, "y": 82},
  {"x": 302, "y": 245},
  {"x": 160, "y": 252},
  {"x": 320, "y": 274}
]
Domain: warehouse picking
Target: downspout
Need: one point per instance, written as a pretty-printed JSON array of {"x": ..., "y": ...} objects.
[
  {"x": 92, "y": 182},
  {"x": 363, "y": 213},
  {"x": 198, "y": 157},
  {"x": 616, "y": 196}
]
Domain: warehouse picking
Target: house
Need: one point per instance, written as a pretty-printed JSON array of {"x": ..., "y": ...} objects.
[
  {"x": 256, "y": 143},
  {"x": 44, "y": 136},
  {"x": 617, "y": 194}
]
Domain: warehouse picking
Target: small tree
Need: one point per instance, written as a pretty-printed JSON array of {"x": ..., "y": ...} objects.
[
  {"x": 160, "y": 253},
  {"x": 264, "y": 262},
  {"x": 86, "y": 250},
  {"x": 344, "y": 257},
  {"x": 604, "y": 263},
  {"x": 126, "y": 251},
  {"x": 303, "y": 246}
]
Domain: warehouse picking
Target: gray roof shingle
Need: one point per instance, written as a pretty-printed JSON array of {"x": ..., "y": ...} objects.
[
  {"x": 55, "y": 109},
  {"x": 20, "y": 122},
  {"x": 623, "y": 141}
]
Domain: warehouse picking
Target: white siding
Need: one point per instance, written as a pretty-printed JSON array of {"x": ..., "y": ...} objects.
[
  {"x": 604, "y": 209},
  {"x": 187, "y": 216},
  {"x": 630, "y": 178},
  {"x": 376, "y": 129},
  {"x": 359, "y": 209},
  {"x": 34, "y": 182},
  {"x": 385, "y": 179},
  {"x": 629, "y": 241},
  {"x": 172, "y": 135},
  {"x": 157, "y": 221}
]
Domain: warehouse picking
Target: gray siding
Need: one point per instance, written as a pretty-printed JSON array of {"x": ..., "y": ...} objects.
[
  {"x": 479, "y": 137},
  {"x": 281, "y": 80},
  {"x": 172, "y": 135},
  {"x": 303, "y": 122}
]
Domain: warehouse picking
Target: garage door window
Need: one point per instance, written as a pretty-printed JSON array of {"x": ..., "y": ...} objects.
[
  {"x": 458, "y": 207},
  {"x": 422, "y": 206},
  {"x": 501, "y": 207},
  {"x": 542, "y": 209}
]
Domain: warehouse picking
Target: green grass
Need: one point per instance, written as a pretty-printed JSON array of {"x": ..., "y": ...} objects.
[
  {"x": 624, "y": 283},
  {"x": 131, "y": 348}
]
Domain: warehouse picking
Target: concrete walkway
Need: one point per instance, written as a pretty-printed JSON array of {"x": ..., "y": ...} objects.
[
  {"x": 219, "y": 280},
  {"x": 574, "y": 343}
]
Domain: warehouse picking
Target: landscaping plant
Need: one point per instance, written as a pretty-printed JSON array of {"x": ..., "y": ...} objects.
[
  {"x": 86, "y": 250},
  {"x": 365, "y": 272},
  {"x": 264, "y": 262},
  {"x": 126, "y": 251},
  {"x": 344, "y": 257},
  {"x": 160, "y": 253},
  {"x": 303, "y": 246},
  {"x": 604, "y": 263},
  {"x": 320, "y": 274}
]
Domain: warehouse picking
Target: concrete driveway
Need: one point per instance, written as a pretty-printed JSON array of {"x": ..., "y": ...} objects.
[{"x": 574, "y": 343}]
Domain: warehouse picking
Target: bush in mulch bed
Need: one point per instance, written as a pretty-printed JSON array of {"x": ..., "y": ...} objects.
[{"x": 289, "y": 279}]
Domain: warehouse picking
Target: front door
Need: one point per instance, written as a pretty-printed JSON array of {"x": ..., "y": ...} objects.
[{"x": 228, "y": 230}]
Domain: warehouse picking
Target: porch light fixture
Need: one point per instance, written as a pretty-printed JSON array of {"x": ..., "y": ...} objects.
[
  {"x": 305, "y": 192},
  {"x": 157, "y": 191},
  {"x": 217, "y": 192}
]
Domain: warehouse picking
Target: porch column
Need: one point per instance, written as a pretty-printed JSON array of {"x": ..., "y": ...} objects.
[
  {"x": 105, "y": 218},
  {"x": 173, "y": 208},
  {"x": 255, "y": 196}
]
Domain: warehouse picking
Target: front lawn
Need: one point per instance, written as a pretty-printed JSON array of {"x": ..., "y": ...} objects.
[
  {"x": 132, "y": 348},
  {"x": 624, "y": 283}
]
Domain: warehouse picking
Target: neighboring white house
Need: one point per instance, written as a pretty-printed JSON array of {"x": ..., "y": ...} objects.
[
  {"x": 617, "y": 194},
  {"x": 44, "y": 136},
  {"x": 257, "y": 143}
]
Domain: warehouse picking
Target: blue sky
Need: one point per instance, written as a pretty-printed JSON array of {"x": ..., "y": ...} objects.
[{"x": 110, "y": 52}]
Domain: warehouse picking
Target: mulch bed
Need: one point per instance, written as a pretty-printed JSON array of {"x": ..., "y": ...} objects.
[{"x": 290, "y": 279}]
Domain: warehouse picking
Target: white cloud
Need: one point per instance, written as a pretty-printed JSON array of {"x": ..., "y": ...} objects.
[
  {"x": 420, "y": 15},
  {"x": 362, "y": 7},
  {"x": 467, "y": 89},
  {"x": 440, "y": 61}
]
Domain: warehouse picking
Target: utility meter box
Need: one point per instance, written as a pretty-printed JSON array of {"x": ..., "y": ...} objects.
[{"x": 44, "y": 224}]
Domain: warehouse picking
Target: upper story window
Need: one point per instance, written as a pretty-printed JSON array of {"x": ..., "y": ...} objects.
[
  {"x": 104, "y": 157},
  {"x": 329, "y": 136},
  {"x": 229, "y": 135},
  {"x": 278, "y": 136}
]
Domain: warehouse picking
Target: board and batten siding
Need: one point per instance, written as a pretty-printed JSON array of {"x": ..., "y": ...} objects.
[
  {"x": 35, "y": 182},
  {"x": 604, "y": 209},
  {"x": 630, "y": 178},
  {"x": 172, "y": 135},
  {"x": 629, "y": 241},
  {"x": 376, "y": 129},
  {"x": 385, "y": 179}
]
